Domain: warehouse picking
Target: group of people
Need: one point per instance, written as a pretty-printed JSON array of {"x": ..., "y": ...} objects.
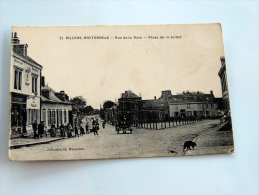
[
  {"x": 92, "y": 125},
  {"x": 66, "y": 131},
  {"x": 38, "y": 129}
]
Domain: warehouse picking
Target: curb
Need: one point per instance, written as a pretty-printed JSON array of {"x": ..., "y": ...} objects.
[{"x": 35, "y": 143}]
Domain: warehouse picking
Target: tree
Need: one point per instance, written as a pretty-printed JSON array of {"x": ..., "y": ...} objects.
[
  {"x": 108, "y": 104},
  {"x": 88, "y": 110},
  {"x": 79, "y": 104}
]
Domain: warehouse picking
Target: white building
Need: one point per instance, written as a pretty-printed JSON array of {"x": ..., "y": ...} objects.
[
  {"x": 186, "y": 108},
  {"x": 191, "y": 104},
  {"x": 24, "y": 88},
  {"x": 56, "y": 109}
]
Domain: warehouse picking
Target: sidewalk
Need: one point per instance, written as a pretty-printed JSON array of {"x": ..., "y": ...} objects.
[
  {"x": 214, "y": 141},
  {"x": 30, "y": 141}
]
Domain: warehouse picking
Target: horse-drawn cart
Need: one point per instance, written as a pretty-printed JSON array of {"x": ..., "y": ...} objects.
[
  {"x": 123, "y": 124},
  {"x": 124, "y": 128}
]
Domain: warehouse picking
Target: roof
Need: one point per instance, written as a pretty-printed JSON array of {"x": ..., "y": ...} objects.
[
  {"x": 191, "y": 98},
  {"x": 157, "y": 103},
  {"x": 52, "y": 98},
  {"x": 27, "y": 58},
  {"x": 129, "y": 94}
]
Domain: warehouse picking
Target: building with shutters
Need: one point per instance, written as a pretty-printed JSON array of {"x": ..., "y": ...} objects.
[{"x": 25, "y": 89}]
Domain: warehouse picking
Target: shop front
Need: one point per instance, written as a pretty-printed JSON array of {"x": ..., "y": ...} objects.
[
  {"x": 33, "y": 112},
  {"x": 18, "y": 114}
]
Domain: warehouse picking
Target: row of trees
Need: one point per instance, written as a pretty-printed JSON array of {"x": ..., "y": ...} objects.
[{"x": 79, "y": 107}]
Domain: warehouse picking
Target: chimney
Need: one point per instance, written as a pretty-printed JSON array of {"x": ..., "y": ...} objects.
[
  {"x": 15, "y": 39},
  {"x": 211, "y": 93},
  {"x": 166, "y": 94},
  {"x": 45, "y": 93},
  {"x": 155, "y": 97},
  {"x": 198, "y": 92},
  {"x": 17, "y": 47},
  {"x": 61, "y": 95},
  {"x": 222, "y": 59},
  {"x": 43, "y": 81},
  {"x": 67, "y": 97}
]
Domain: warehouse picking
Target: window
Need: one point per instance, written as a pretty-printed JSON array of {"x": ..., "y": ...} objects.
[
  {"x": 60, "y": 115},
  {"x": 34, "y": 83},
  {"x": 44, "y": 116},
  {"x": 18, "y": 79},
  {"x": 65, "y": 116},
  {"x": 53, "y": 117},
  {"x": 49, "y": 117}
]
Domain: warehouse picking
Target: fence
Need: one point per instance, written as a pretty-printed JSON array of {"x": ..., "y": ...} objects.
[{"x": 163, "y": 124}]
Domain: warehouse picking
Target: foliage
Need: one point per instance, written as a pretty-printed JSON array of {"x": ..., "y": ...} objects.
[
  {"x": 108, "y": 104},
  {"x": 79, "y": 104},
  {"x": 88, "y": 110}
]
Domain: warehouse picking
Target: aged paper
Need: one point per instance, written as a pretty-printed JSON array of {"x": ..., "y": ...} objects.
[{"x": 100, "y": 92}]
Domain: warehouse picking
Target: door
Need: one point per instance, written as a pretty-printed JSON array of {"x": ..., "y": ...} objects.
[{"x": 70, "y": 117}]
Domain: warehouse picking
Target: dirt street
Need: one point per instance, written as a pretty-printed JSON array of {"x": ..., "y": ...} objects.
[{"x": 141, "y": 143}]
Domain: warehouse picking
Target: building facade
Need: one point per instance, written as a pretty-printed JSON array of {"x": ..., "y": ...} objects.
[
  {"x": 25, "y": 89},
  {"x": 191, "y": 104},
  {"x": 154, "y": 110},
  {"x": 224, "y": 84},
  {"x": 128, "y": 105},
  {"x": 185, "y": 108},
  {"x": 56, "y": 109}
]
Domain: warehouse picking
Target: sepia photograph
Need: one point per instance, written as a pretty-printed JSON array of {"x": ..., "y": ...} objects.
[{"x": 118, "y": 91}]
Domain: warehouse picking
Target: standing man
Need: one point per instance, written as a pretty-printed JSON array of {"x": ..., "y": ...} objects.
[
  {"x": 35, "y": 130},
  {"x": 62, "y": 131},
  {"x": 41, "y": 129},
  {"x": 95, "y": 128},
  {"x": 76, "y": 131}
]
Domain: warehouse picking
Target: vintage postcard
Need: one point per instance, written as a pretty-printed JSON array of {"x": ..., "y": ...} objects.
[{"x": 133, "y": 91}]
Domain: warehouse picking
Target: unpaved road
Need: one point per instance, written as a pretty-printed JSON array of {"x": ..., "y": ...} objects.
[{"x": 141, "y": 143}]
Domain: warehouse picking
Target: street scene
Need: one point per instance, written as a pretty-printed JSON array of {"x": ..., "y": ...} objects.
[
  {"x": 111, "y": 115},
  {"x": 168, "y": 142}
]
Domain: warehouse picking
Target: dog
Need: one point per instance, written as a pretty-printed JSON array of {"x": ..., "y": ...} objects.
[{"x": 188, "y": 145}]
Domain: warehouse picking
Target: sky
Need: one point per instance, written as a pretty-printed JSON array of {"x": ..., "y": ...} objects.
[{"x": 102, "y": 69}]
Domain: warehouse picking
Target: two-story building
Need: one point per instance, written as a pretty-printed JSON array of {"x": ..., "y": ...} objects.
[
  {"x": 191, "y": 104},
  {"x": 24, "y": 89},
  {"x": 181, "y": 106},
  {"x": 128, "y": 105}
]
